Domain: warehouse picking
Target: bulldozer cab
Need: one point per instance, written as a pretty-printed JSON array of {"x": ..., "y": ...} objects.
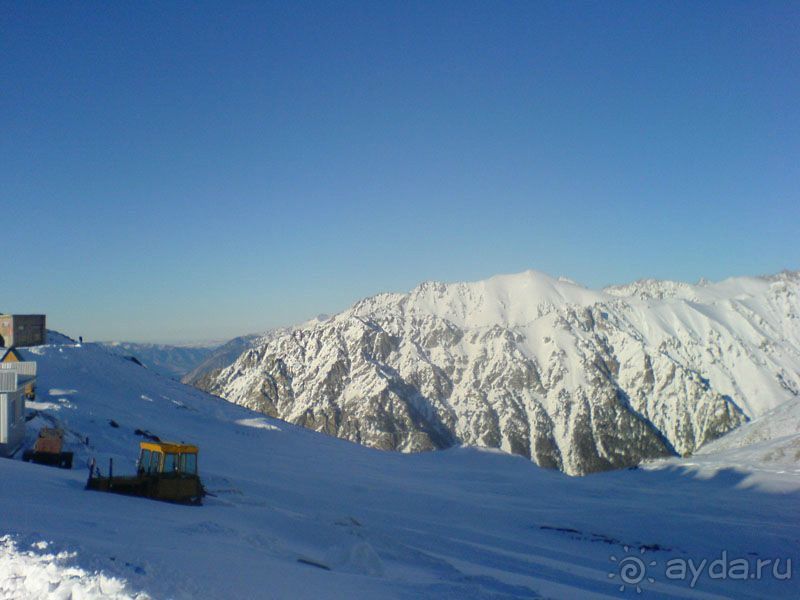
[
  {"x": 165, "y": 471},
  {"x": 167, "y": 457}
]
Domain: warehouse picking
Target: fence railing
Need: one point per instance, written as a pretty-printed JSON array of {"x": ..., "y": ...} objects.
[
  {"x": 8, "y": 381},
  {"x": 27, "y": 368}
]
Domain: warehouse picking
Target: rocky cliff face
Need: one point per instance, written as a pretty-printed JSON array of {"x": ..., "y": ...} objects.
[{"x": 574, "y": 379}]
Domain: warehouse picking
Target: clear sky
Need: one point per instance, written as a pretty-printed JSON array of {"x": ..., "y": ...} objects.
[{"x": 176, "y": 171}]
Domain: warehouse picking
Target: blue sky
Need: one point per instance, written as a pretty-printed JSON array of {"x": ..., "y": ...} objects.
[{"x": 178, "y": 171}]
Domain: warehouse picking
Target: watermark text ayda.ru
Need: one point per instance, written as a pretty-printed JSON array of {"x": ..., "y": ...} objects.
[
  {"x": 691, "y": 570},
  {"x": 636, "y": 570}
]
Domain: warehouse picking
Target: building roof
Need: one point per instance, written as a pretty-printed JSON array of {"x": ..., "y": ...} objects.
[
  {"x": 10, "y": 355},
  {"x": 169, "y": 447}
]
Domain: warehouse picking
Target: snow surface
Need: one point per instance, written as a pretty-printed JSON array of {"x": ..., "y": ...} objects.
[{"x": 297, "y": 514}]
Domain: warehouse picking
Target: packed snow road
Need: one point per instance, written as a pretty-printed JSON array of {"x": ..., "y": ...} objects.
[{"x": 295, "y": 514}]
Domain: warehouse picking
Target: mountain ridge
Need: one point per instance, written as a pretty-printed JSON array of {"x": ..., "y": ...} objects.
[{"x": 576, "y": 379}]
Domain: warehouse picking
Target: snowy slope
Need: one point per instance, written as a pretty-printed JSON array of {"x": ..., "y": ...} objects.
[
  {"x": 780, "y": 423},
  {"x": 575, "y": 379},
  {"x": 769, "y": 444},
  {"x": 767, "y": 449},
  {"x": 460, "y": 523}
]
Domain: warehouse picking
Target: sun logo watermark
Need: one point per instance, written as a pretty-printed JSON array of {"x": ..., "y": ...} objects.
[{"x": 631, "y": 570}]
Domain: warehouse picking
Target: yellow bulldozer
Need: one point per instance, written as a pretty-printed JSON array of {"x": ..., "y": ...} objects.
[{"x": 165, "y": 471}]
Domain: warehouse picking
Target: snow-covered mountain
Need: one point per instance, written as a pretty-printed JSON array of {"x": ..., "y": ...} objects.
[
  {"x": 295, "y": 514},
  {"x": 576, "y": 379}
]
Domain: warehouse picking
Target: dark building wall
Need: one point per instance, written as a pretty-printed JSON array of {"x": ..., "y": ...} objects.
[{"x": 22, "y": 330}]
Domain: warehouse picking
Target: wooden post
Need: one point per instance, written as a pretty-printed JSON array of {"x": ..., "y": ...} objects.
[{"x": 91, "y": 473}]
